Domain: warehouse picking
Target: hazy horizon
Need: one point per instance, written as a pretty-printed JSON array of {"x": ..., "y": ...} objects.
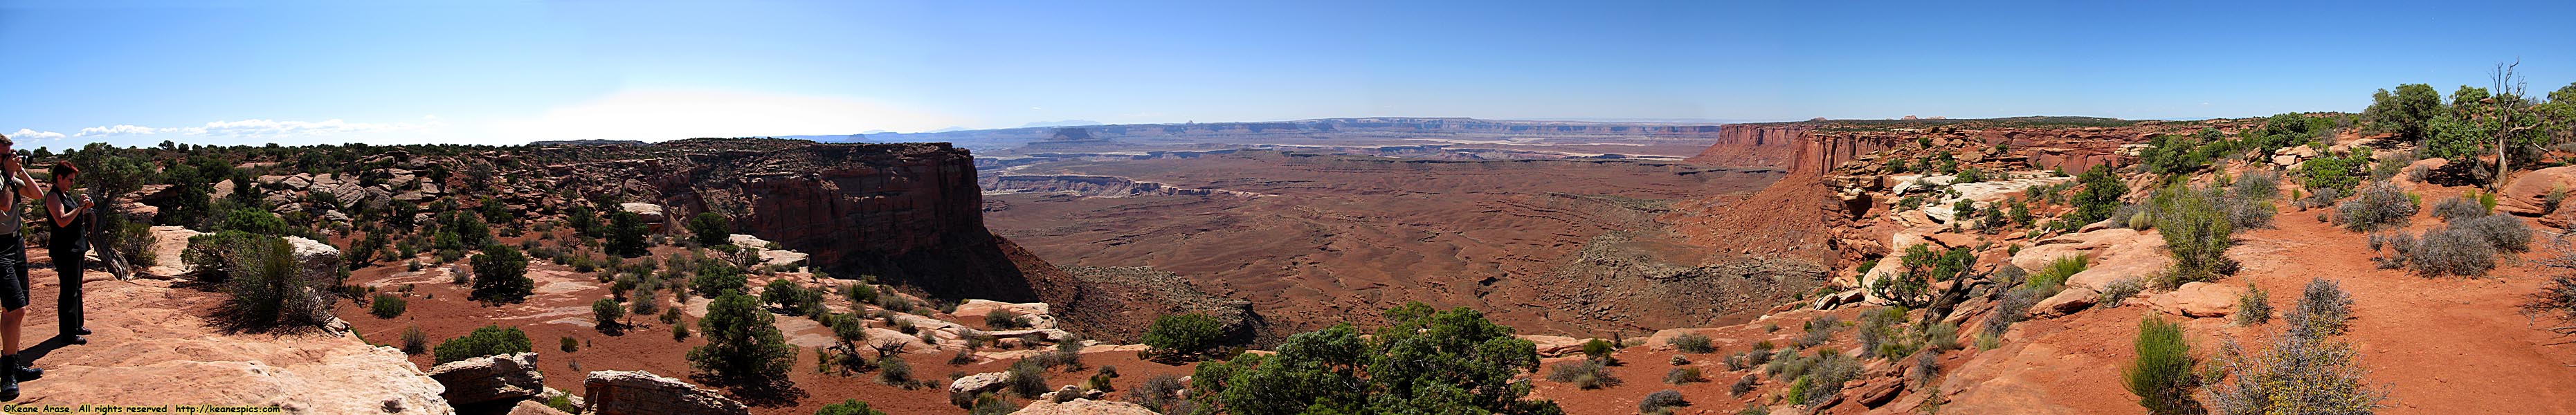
[{"x": 498, "y": 72}]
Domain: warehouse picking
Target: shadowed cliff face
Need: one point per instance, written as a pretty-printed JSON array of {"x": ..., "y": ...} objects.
[{"x": 906, "y": 212}]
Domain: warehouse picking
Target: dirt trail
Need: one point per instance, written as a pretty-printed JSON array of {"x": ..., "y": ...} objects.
[{"x": 2438, "y": 345}]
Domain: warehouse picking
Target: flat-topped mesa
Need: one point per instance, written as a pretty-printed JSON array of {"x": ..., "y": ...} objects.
[
  {"x": 1830, "y": 146},
  {"x": 909, "y": 212}
]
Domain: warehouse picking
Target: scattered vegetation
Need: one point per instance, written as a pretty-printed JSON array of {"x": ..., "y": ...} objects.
[
  {"x": 384, "y": 305},
  {"x": 1692, "y": 343},
  {"x": 2162, "y": 375},
  {"x": 1586, "y": 374},
  {"x": 1451, "y": 361},
  {"x": 743, "y": 346},
  {"x": 2253, "y": 306},
  {"x": 501, "y": 275},
  {"x": 1660, "y": 402},
  {"x": 1184, "y": 335},
  {"x": 711, "y": 229},
  {"x": 2305, "y": 371},
  {"x": 2197, "y": 230},
  {"x": 265, "y": 289},
  {"x": 485, "y": 341},
  {"x": 2376, "y": 206}
]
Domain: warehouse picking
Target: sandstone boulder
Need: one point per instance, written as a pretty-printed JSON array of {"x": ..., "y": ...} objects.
[
  {"x": 610, "y": 392},
  {"x": 1033, "y": 314},
  {"x": 978, "y": 383},
  {"x": 2072, "y": 300},
  {"x": 2197, "y": 300},
  {"x": 490, "y": 378},
  {"x": 318, "y": 259},
  {"x": 154, "y": 348},
  {"x": 652, "y": 213},
  {"x": 168, "y": 243},
  {"x": 1083, "y": 407},
  {"x": 2528, "y": 195},
  {"x": 1555, "y": 346}
]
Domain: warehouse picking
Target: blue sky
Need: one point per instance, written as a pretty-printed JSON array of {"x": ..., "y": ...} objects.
[{"x": 232, "y": 72}]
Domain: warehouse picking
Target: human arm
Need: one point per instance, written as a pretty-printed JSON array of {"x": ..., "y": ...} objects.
[{"x": 54, "y": 209}]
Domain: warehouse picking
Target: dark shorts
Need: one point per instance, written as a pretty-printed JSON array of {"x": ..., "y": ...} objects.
[{"x": 13, "y": 273}]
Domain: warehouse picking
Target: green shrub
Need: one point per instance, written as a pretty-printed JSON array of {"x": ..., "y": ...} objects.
[
  {"x": 2253, "y": 306},
  {"x": 1743, "y": 385},
  {"x": 501, "y": 275},
  {"x": 2458, "y": 208},
  {"x": 1184, "y": 335},
  {"x": 2337, "y": 172},
  {"x": 2162, "y": 373},
  {"x": 1692, "y": 343},
  {"x": 2374, "y": 206},
  {"x": 2257, "y": 186},
  {"x": 1826, "y": 378},
  {"x": 485, "y": 341},
  {"x": 711, "y": 229},
  {"x": 2101, "y": 195},
  {"x": 2304, "y": 371},
  {"x": 2014, "y": 307},
  {"x": 715, "y": 280},
  {"x": 567, "y": 344},
  {"x": 2197, "y": 234},
  {"x": 1004, "y": 319},
  {"x": 1158, "y": 393},
  {"x": 848, "y": 407},
  {"x": 626, "y": 235},
  {"x": 1658, "y": 401},
  {"x": 265, "y": 288},
  {"x": 1879, "y": 330},
  {"x": 2451, "y": 251},
  {"x": 1819, "y": 330},
  {"x": 2323, "y": 309},
  {"x": 607, "y": 314},
  {"x": 563, "y": 402},
  {"x": 1585, "y": 374},
  {"x": 1026, "y": 378},
  {"x": 386, "y": 305},
  {"x": 1600, "y": 350},
  {"x": 2506, "y": 233},
  {"x": 1911, "y": 285},
  {"x": 414, "y": 341},
  {"x": 891, "y": 370},
  {"x": 2120, "y": 290},
  {"x": 2055, "y": 274},
  {"x": 743, "y": 344},
  {"x": 1681, "y": 375},
  {"x": 1442, "y": 355}
]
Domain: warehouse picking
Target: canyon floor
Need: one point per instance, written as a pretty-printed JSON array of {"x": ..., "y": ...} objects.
[{"x": 1313, "y": 239}]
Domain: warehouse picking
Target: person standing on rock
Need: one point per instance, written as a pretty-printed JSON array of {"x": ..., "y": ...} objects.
[
  {"x": 13, "y": 270},
  {"x": 70, "y": 241}
]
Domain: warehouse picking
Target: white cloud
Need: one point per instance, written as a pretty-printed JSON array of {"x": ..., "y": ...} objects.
[
  {"x": 654, "y": 115},
  {"x": 260, "y": 128},
  {"x": 119, "y": 129},
  {"x": 27, "y": 134}
]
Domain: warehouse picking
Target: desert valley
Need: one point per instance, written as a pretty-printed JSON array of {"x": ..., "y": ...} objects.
[{"x": 906, "y": 207}]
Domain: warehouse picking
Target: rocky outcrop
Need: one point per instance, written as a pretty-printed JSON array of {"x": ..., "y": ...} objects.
[
  {"x": 2530, "y": 194},
  {"x": 490, "y": 378},
  {"x": 154, "y": 347},
  {"x": 1033, "y": 315},
  {"x": 970, "y": 385},
  {"x": 2197, "y": 300},
  {"x": 610, "y": 392},
  {"x": 1083, "y": 407},
  {"x": 909, "y": 213}
]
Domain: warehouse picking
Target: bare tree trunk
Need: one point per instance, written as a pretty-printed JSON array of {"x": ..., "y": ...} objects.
[{"x": 102, "y": 243}]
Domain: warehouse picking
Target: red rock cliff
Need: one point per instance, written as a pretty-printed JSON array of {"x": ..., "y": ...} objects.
[
  {"x": 1796, "y": 147},
  {"x": 910, "y": 213}
]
